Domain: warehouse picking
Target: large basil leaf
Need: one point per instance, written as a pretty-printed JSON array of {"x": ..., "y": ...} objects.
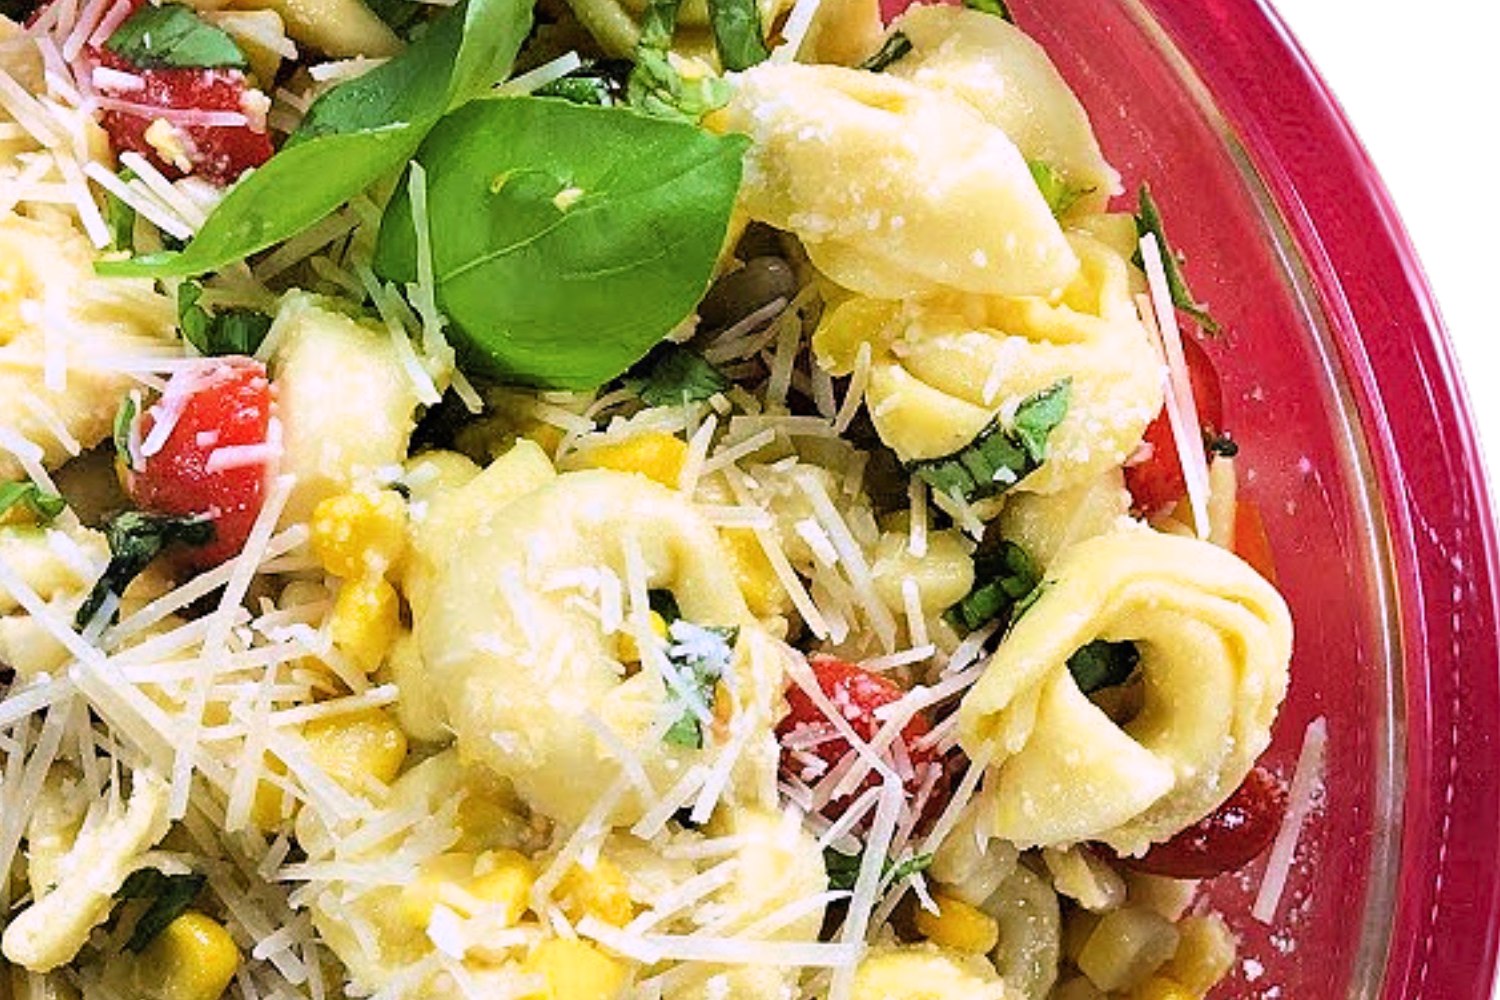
[
  {"x": 173, "y": 35},
  {"x": 357, "y": 133},
  {"x": 566, "y": 239}
]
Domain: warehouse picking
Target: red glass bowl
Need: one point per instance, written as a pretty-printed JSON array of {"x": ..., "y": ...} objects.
[{"x": 1342, "y": 391}]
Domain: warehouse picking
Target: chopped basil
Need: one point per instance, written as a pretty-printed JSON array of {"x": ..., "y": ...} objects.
[
  {"x": 843, "y": 869},
  {"x": 699, "y": 656},
  {"x": 173, "y": 35},
  {"x": 598, "y": 229},
  {"x": 601, "y": 83},
  {"x": 1148, "y": 220},
  {"x": 404, "y": 17},
  {"x": 124, "y": 423},
  {"x": 41, "y": 505},
  {"x": 135, "y": 538},
  {"x": 664, "y": 603},
  {"x": 673, "y": 375},
  {"x": 1222, "y": 445},
  {"x": 168, "y": 895},
  {"x": 1102, "y": 664},
  {"x": 896, "y": 45},
  {"x": 357, "y": 133},
  {"x": 1005, "y": 579},
  {"x": 737, "y": 34},
  {"x": 120, "y": 217},
  {"x": 1060, "y": 195},
  {"x": 228, "y": 331},
  {"x": 996, "y": 7},
  {"x": 655, "y": 86},
  {"x": 1000, "y": 456}
]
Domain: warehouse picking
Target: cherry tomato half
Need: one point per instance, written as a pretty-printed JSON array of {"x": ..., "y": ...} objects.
[
  {"x": 224, "y": 404},
  {"x": 811, "y": 745},
  {"x": 1227, "y": 838},
  {"x": 1156, "y": 480}
]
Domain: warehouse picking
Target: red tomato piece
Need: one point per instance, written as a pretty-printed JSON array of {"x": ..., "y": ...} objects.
[
  {"x": 1227, "y": 838},
  {"x": 225, "y": 404},
  {"x": 1156, "y": 480},
  {"x": 218, "y": 153},
  {"x": 811, "y": 745}
]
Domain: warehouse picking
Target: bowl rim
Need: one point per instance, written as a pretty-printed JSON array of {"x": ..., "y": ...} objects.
[{"x": 1437, "y": 508}]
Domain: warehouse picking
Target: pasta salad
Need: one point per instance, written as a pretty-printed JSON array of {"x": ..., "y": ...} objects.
[{"x": 616, "y": 498}]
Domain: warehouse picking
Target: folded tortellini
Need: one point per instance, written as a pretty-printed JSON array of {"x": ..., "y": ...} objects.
[
  {"x": 943, "y": 369},
  {"x": 60, "y": 327},
  {"x": 1214, "y": 641},
  {"x": 924, "y": 972},
  {"x": 511, "y": 600},
  {"x": 894, "y": 189}
]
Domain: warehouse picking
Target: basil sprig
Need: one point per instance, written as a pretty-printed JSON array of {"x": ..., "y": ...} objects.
[
  {"x": 596, "y": 228},
  {"x": 1001, "y": 455},
  {"x": 174, "y": 36},
  {"x": 355, "y": 134}
]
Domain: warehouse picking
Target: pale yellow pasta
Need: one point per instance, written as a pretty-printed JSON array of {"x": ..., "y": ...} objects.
[
  {"x": 997, "y": 68},
  {"x": 341, "y": 29},
  {"x": 80, "y": 893},
  {"x": 538, "y": 690},
  {"x": 894, "y": 189},
  {"x": 926, "y": 972},
  {"x": 1214, "y": 641},
  {"x": 943, "y": 369},
  {"x": 616, "y": 24},
  {"x": 59, "y": 566},
  {"x": 333, "y": 440},
  {"x": 60, "y": 325},
  {"x": 1044, "y": 524}
]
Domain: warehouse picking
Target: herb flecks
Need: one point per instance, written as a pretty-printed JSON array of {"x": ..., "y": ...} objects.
[
  {"x": 1006, "y": 580},
  {"x": 995, "y": 7},
  {"x": 135, "y": 539},
  {"x": 1102, "y": 664},
  {"x": 1061, "y": 195},
  {"x": 169, "y": 897},
  {"x": 843, "y": 869},
  {"x": 228, "y": 331},
  {"x": 1001, "y": 455},
  {"x": 172, "y": 35},
  {"x": 1148, "y": 220},
  {"x": 674, "y": 375}
]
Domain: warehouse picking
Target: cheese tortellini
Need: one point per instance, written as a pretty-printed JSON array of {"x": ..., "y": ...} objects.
[
  {"x": 1214, "y": 640},
  {"x": 894, "y": 189},
  {"x": 511, "y": 622}
]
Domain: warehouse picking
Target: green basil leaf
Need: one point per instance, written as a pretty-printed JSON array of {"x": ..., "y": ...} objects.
[
  {"x": 229, "y": 331},
  {"x": 169, "y": 895},
  {"x": 673, "y": 375},
  {"x": 42, "y": 505},
  {"x": 996, "y": 7},
  {"x": 896, "y": 45},
  {"x": 357, "y": 133},
  {"x": 700, "y": 655},
  {"x": 1060, "y": 195},
  {"x": 1101, "y": 664},
  {"x": 1000, "y": 456},
  {"x": 1005, "y": 576},
  {"x": 124, "y": 422},
  {"x": 843, "y": 869},
  {"x": 1148, "y": 220},
  {"x": 654, "y": 85},
  {"x": 596, "y": 228},
  {"x": 173, "y": 35},
  {"x": 135, "y": 538},
  {"x": 737, "y": 33},
  {"x": 120, "y": 217}
]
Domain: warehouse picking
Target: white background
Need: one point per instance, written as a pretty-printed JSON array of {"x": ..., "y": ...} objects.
[{"x": 1421, "y": 84}]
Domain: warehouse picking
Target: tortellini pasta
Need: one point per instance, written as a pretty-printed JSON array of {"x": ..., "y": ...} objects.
[
  {"x": 61, "y": 329},
  {"x": 1214, "y": 640},
  {"x": 926, "y": 972},
  {"x": 537, "y": 689},
  {"x": 894, "y": 189},
  {"x": 1009, "y": 79},
  {"x": 942, "y": 370},
  {"x": 58, "y": 566}
]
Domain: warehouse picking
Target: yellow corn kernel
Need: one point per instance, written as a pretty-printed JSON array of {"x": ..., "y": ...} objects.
[
  {"x": 353, "y": 748},
  {"x": 599, "y": 892},
  {"x": 757, "y": 579},
  {"x": 193, "y": 958},
  {"x": 574, "y": 970},
  {"x": 366, "y": 619},
  {"x": 958, "y": 925},
  {"x": 504, "y": 877},
  {"x": 359, "y": 534},
  {"x": 654, "y": 454},
  {"x": 1162, "y": 988},
  {"x": 1204, "y": 955},
  {"x": 421, "y": 894},
  {"x": 630, "y": 650}
]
